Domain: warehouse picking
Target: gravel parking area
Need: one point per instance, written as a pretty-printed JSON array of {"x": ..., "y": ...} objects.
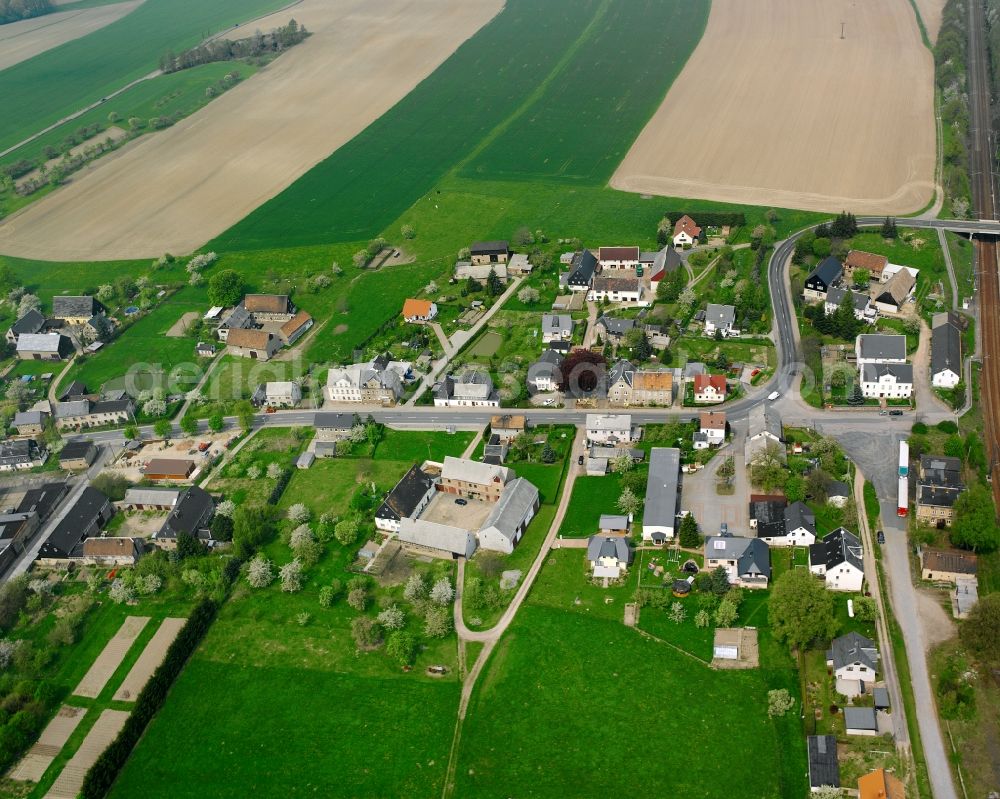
[{"x": 444, "y": 510}]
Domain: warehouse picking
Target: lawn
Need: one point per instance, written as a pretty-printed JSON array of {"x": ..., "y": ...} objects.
[
  {"x": 584, "y": 691},
  {"x": 592, "y": 496},
  {"x": 43, "y": 89}
]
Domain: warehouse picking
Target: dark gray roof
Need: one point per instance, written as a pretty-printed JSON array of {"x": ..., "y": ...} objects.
[
  {"x": 608, "y": 546},
  {"x": 882, "y": 346},
  {"x": 752, "y": 555},
  {"x": 616, "y": 327},
  {"x": 622, "y": 370},
  {"x": 852, "y": 649},
  {"x": 31, "y": 322},
  {"x": 334, "y": 421},
  {"x": 873, "y": 372},
  {"x": 488, "y": 247},
  {"x": 29, "y": 417},
  {"x": 940, "y": 470},
  {"x": 835, "y": 296},
  {"x": 860, "y": 718},
  {"x": 837, "y": 488},
  {"x": 406, "y": 495},
  {"x": 63, "y": 307},
  {"x": 189, "y": 515},
  {"x": 78, "y": 448},
  {"x": 770, "y": 517},
  {"x": 827, "y": 271},
  {"x": 17, "y": 451},
  {"x": 75, "y": 390},
  {"x": 798, "y": 515},
  {"x": 42, "y": 500},
  {"x": 75, "y": 525},
  {"x": 823, "y": 766},
  {"x": 582, "y": 269},
  {"x": 840, "y": 546},
  {"x": 662, "y": 484},
  {"x": 946, "y": 349},
  {"x": 881, "y": 695}
]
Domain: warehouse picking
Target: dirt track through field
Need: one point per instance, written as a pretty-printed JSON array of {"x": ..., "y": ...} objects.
[
  {"x": 175, "y": 190},
  {"x": 70, "y": 780},
  {"x": 775, "y": 108},
  {"x": 22, "y": 40},
  {"x": 111, "y": 657},
  {"x": 150, "y": 659}
]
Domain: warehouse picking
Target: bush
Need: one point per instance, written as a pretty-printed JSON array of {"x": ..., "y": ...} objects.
[
  {"x": 919, "y": 427},
  {"x": 103, "y": 773}
]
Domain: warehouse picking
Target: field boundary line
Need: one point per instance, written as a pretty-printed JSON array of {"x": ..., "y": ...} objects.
[{"x": 560, "y": 66}]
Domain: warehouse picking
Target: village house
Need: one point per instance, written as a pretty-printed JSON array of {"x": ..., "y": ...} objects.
[
  {"x": 84, "y": 519},
  {"x": 824, "y": 277},
  {"x": 205, "y": 349},
  {"x": 939, "y": 485},
  {"x": 854, "y": 660},
  {"x": 557, "y": 327},
  {"x": 544, "y": 375},
  {"x": 379, "y": 380},
  {"x": 419, "y": 311},
  {"x": 838, "y": 560},
  {"x": 150, "y": 499},
  {"x": 254, "y": 344},
  {"x": 712, "y": 425},
  {"x": 946, "y": 350},
  {"x": 686, "y": 232},
  {"x": 407, "y": 500},
  {"x": 480, "y": 272},
  {"x": 76, "y": 311},
  {"x": 508, "y": 426},
  {"x": 628, "y": 386},
  {"x": 473, "y": 480},
  {"x": 615, "y": 289},
  {"x": 269, "y": 307},
  {"x": 489, "y": 252},
  {"x": 747, "y": 561},
  {"x": 32, "y": 322},
  {"x": 519, "y": 264},
  {"x": 879, "y": 348},
  {"x": 764, "y": 428},
  {"x": 277, "y": 394},
  {"x": 609, "y": 429},
  {"x": 896, "y": 292},
  {"x": 608, "y": 555},
  {"x": 659, "y": 516},
  {"x": 30, "y": 423},
  {"x": 77, "y": 455},
  {"x": 880, "y": 784},
  {"x": 189, "y": 516},
  {"x": 659, "y": 264},
  {"x": 79, "y": 414},
  {"x": 613, "y": 524},
  {"x": 581, "y": 271},
  {"x": 470, "y": 389},
  {"x": 947, "y": 565},
  {"x": 237, "y": 319},
  {"x": 43, "y": 347},
  {"x": 859, "y": 259},
  {"x": 862, "y": 304},
  {"x": 296, "y": 327},
  {"x": 510, "y": 517},
  {"x": 837, "y": 493},
  {"x": 887, "y": 381},
  {"x": 709, "y": 389},
  {"x": 612, "y": 330},
  {"x": 332, "y": 427},
  {"x": 720, "y": 319},
  {"x": 111, "y": 551},
  {"x": 618, "y": 257},
  {"x": 21, "y": 453},
  {"x": 783, "y": 525}
]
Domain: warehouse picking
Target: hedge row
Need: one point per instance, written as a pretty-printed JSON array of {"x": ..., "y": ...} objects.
[
  {"x": 104, "y": 772},
  {"x": 279, "y": 487}
]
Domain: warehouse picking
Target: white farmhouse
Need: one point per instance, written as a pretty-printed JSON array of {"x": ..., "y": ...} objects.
[{"x": 838, "y": 560}]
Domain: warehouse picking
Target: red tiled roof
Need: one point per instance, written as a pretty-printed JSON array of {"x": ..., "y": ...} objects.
[
  {"x": 718, "y": 382},
  {"x": 686, "y": 225}
]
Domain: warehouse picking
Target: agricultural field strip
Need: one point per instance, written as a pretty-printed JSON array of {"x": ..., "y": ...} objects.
[
  {"x": 27, "y": 38},
  {"x": 856, "y": 121},
  {"x": 111, "y": 657},
  {"x": 70, "y": 780},
  {"x": 57, "y": 732},
  {"x": 151, "y": 657},
  {"x": 214, "y": 168}
]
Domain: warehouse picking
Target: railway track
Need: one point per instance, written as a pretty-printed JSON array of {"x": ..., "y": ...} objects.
[{"x": 984, "y": 197}]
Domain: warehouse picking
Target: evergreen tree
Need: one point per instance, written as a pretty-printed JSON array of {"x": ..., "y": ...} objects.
[
  {"x": 889, "y": 228},
  {"x": 689, "y": 536},
  {"x": 493, "y": 285},
  {"x": 642, "y": 350}
]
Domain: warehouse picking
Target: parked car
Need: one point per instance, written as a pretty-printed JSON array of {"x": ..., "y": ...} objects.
[
  {"x": 773, "y": 396},
  {"x": 461, "y": 501},
  {"x": 723, "y": 529},
  {"x": 896, "y": 412},
  {"x": 579, "y": 460},
  {"x": 880, "y": 537}
]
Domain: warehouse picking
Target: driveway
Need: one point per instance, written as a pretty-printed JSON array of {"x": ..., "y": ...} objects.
[
  {"x": 710, "y": 509},
  {"x": 927, "y": 400}
]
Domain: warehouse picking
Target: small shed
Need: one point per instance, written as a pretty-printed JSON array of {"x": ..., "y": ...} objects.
[
  {"x": 168, "y": 469},
  {"x": 681, "y": 588},
  {"x": 860, "y": 721},
  {"x": 881, "y": 694},
  {"x": 305, "y": 460},
  {"x": 368, "y": 550},
  {"x": 727, "y": 643}
]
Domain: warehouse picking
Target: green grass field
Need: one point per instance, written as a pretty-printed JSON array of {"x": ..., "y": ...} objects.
[
  {"x": 592, "y": 496},
  {"x": 608, "y": 711},
  {"x": 43, "y": 89}
]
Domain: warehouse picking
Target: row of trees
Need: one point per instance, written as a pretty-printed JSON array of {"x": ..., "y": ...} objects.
[
  {"x": 256, "y": 46},
  {"x": 13, "y": 10}
]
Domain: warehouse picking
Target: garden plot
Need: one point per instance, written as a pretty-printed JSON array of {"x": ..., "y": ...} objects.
[
  {"x": 33, "y": 765},
  {"x": 70, "y": 781},
  {"x": 111, "y": 658},
  {"x": 150, "y": 659},
  {"x": 854, "y": 114}
]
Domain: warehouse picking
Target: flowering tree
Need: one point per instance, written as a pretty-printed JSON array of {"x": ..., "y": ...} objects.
[
  {"x": 298, "y": 513},
  {"x": 260, "y": 572},
  {"x": 437, "y": 623},
  {"x": 392, "y": 618},
  {"x": 442, "y": 593},
  {"x": 121, "y": 592},
  {"x": 226, "y": 508},
  {"x": 274, "y": 470},
  {"x": 416, "y": 588},
  {"x": 291, "y": 576}
]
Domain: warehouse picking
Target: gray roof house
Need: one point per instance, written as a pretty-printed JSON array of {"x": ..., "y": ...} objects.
[
  {"x": 946, "y": 351},
  {"x": 719, "y": 317},
  {"x": 510, "y": 517},
  {"x": 544, "y": 374},
  {"x": 557, "y": 327},
  {"x": 75, "y": 307},
  {"x": 662, "y": 489},
  {"x": 614, "y": 329},
  {"x": 902, "y": 373},
  {"x": 409, "y": 496},
  {"x": 608, "y": 555},
  {"x": 838, "y": 558},
  {"x": 852, "y": 649},
  {"x": 880, "y": 348},
  {"x": 31, "y": 322},
  {"x": 190, "y": 516},
  {"x": 43, "y": 346},
  {"x": 860, "y": 721},
  {"x": 747, "y": 561},
  {"x": 473, "y": 387},
  {"x": 581, "y": 271},
  {"x": 823, "y": 766},
  {"x": 438, "y": 537},
  {"x": 823, "y": 278}
]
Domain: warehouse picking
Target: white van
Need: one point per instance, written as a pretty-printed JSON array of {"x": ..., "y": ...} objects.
[{"x": 773, "y": 396}]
